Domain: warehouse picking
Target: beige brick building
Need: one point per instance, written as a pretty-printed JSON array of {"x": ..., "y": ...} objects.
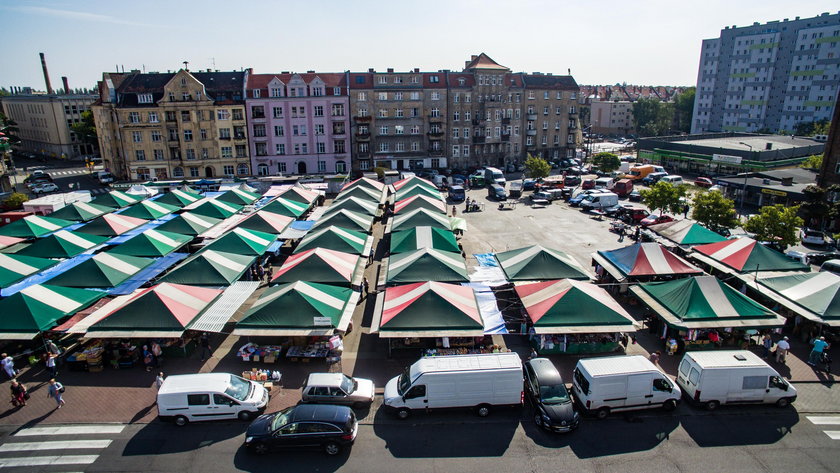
[
  {"x": 611, "y": 117},
  {"x": 44, "y": 121}
]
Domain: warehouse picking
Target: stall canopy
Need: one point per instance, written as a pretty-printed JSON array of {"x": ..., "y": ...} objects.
[
  {"x": 216, "y": 209},
  {"x": 411, "y": 182},
  {"x": 818, "y": 293},
  {"x": 33, "y": 226},
  {"x": 151, "y": 243},
  {"x": 62, "y": 244},
  {"x": 704, "y": 302},
  {"x": 162, "y": 311},
  {"x": 80, "y": 211},
  {"x": 115, "y": 200},
  {"x": 420, "y": 201},
  {"x": 424, "y": 237},
  {"x": 190, "y": 224},
  {"x": 536, "y": 263},
  {"x": 286, "y": 207},
  {"x": 644, "y": 260},
  {"x": 686, "y": 232},
  {"x": 323, "y": 266},
  {"x": 299, "y": 194},
  {"x": 238, "y": 197},
  {"x": 179, "y": 198},
  {"x": 568, "y": 306},
  {"x": 243, "y": 242},
  {"x": 337, "y": 239},
  {"x": 417, "y": 189},
  {"x": 39, "y": 307},
  {"x": 299, "y": 309},
  {"x": 104, "y": 270},
  {"x": 346, "y": 219},
  {"x": 111, "y": 225},
  {"x": 144, "y": 192},
  {"x": 210, "y": 268},
  {"x": 420, "y": 218},
  {"x": 364, "y": 182},
  {"x": 7, "y": 241},
  {"x": 426, "y": 264},
  {"x": 362, "y": 193},
  {"x": 13, "y": 268},
  {"x": 354, "y": 204},
  {"x": 745, "y": 255},
  {"x": 428, "y": 309},
  {"x": 267, "y": 221},
  {"x": 149, "y": 210}
]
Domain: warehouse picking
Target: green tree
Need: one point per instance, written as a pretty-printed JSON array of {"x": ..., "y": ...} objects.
[
  {"x": 536, "y": 167},
  {"x": 714, "y": 211},
  {"x": 664, "y": 196},
  {"x": 812, "y": 162},
  {"x": 86, "y": 129},
  {"x": 606, "y": 162},
  {"x": 819, "y": 127},
  {"x": 652, "y": 117},
  {"x": 775, "y": 223},
  {"x": 814, "y": 210},
  {"x": 15, "y": 200},
  {"x": 684, "y": 109},
  {"x": 9, "y": 128}
]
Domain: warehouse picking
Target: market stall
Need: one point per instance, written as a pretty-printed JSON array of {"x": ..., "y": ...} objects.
[
  {"x": 213, "y": 208},
  {"x": 420, "y": 201},
  {"x": 37, "y": 308},
  {"x": 103, "y": 270},
  {"x": 242, "y": 241},
  {"x": 210, "y": 268},
  {"x": 686, "y": 232},
  {"x": 81, "y": 211},
  {"x": 238, "y": 196},
  {"x": 179, "y": 197},
  {"x": 743, "y": 255},
  {"x": 410, "y": 182},
  {"x": 354, "y": 204},
  {"x": 337, "y": 239},
  {"x": 266, "y": 221},
  {"x": 373, "y": 196},
  {"x": 301, "y": 194},
  {"x": 190, "y": 224},
  {"x": 149, "y": 210},
  {"x": 33, "y": 226},
  {"x": 62, "y": 244},
  {"x": 418, "y": 218},
  {"x": 151, "y": 244},
  {"x": 535, "y": 263},
  {"x": 287, "y": 207},
  {"x": 641, "y": 262},
  {"x": 412, "y": 190},
  {"x": 346, "y": 219},
  {"x": 115, "y": 200},
  {"x": 14, "y": 268},
  {"x": 111, "y": 225},
  {"x": 323, "y": 266},
  {"x": 425, "y": 264},
  {"x": 424, "y": 237},
  {"x": 364, "y": 182}
]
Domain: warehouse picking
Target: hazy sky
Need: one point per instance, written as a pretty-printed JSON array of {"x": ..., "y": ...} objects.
[{"x": 649, "y": 42}]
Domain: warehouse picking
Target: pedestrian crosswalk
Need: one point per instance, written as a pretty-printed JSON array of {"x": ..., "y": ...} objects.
[
  {"x": 68, "y": 172},
  {"x": 832, "y": 421},
  {"x": 64, "y": 446}
]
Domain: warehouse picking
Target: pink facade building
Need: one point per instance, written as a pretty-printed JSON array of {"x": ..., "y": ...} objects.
[{"x": 298, "y": 123}]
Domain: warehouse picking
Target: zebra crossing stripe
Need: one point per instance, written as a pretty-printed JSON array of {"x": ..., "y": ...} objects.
[
  {"x": 54, "y": 445},
  {"x": 824, "y": 420},
  {"x": 833, "y": 434},
  {"x": 50, "y": 460},
  {"x": 71, "y": 430}
]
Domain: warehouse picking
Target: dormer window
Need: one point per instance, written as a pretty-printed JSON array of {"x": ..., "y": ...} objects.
[
  {"x": 256, "y": 93},
  {"x": 144, "y": 98},
  {"x": 276, "y": 92},
  {"x": 336, "y": 90},
  {"x": 461, "y": 81}
]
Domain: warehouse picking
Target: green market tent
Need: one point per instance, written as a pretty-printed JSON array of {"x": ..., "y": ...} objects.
[
  {"x": 149, "y": 210},
  {"x": 243, "y": 242},
  {"x": 354, "y": 204},
  {"x": 161, "y": 311},
  {"x": 346, "y": 219},
  {"x": 152, "y": 243},
  {"x": 13, "y": 268},
  {"x": 190, "y": 224},
  {"x": 336, "y": 238},
  {"x": 746, "y": 255},
  {"x": 411, "y": 182},
  {"x": 37, "y": 308},
  {"x": 115, "y": 200},
  {"x": 417, "y": 189},
  {"x": 323, "y": 266},
  {"x": 686, "y": 232},
  {"x": 535, "y": 263},
  {"x": 104, "y": 270},
  {"x": 216, "y": 209},
  {"x": 62, "y": 244},
  {"x": 286, "y": 207},
  {"x": 704, "y": 302},
  {"x": 364, "y": 182},
  {"x": 33, "y": 226},
  {"x": 815, "y": 296},
  {"x": 420, "y": 218},
  {"x": 299, "y": 194},
  {"x": 210, "y": 268},
  {"x": 426, "y": 264},
  {"x": 81, "y": 211},
  {"x": 428, "y": 309},
  {"x": 179, "y": 197},
  {"x": 111, "y": 225},
  {"x": 420, "y": 201},
  {"x": 267, "y": 222},
  {"x": 424, "y": 237},
  {"x": 299, "y": 309},
  {"x": 362, "y": 193},
  {"x": 238, "y": 197},
  {"x": 568, "y": 306}
]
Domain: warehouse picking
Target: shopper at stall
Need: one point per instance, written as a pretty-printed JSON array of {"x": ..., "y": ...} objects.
[
  {"x": 654, "y": 357},
  {"x": 159, "y": 380},
  {"x": 8, "y": 364},
  {"x": 157, "y": 352},
  {"x": 148, "y": 358},
  {"x": 204, "y": 346},
  {"x": 816, "y": 352},
  {"x": 50, "y": 362},
  {"x": 782, "y": 349},
  {"x": 767, "y": 344},
  {"x": 55, "y": 391},
  {"x": 19, "y": 394}
]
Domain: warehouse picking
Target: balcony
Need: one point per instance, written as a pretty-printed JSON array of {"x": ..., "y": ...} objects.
[
  {"x": 531, "y": 132},
  {"x": 435, "y": 133},
  {"x": 363, "y": 136},
  {"x": 505, "y": 121},
  {"x": 363, "y": 118},
  {"x": 435, "y": 119},
  {"x": 363, "y": 154},
  {"x": 572, "y": 113},
  {"x": 240, "y": 136},
  {"x": 435, "y": 152},
  {"x": 476, "y": 121},
  {"x": 478, "y": 139},
  {"x": 531, "y": 117},
  {"x": 572, "y": 126},
  {"x": 224, "y": 137}
]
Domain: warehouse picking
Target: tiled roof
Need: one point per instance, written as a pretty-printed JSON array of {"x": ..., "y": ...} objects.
[
  {"x": 361, "y": 80},
  {"x": 427, "y": 80},
  {"x": 550, "y": 82},
  {"x": 483, "y": 61},
  {"x": 453, "y": 78},
  {"x": 152, "y": 82},
  {"x": 330, "y": 79}
]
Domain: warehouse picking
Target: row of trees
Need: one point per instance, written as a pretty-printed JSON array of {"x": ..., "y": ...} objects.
[{"x": 652, "y": 117}]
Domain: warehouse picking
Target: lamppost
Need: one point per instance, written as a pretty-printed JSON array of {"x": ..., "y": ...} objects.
[{"x": 744, "y": 190}]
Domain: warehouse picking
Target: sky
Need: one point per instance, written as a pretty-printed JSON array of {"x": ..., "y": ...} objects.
[{"x": 645, "y": 42}]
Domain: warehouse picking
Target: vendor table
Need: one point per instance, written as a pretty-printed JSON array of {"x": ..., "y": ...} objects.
[
  {"x": 507, "y": 205},
  {"x": 308, "y": 352}
]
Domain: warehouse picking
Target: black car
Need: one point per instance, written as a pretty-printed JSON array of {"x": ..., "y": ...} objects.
[
  {"x": 304, "y": 426},
  {"x": 553, "y": 407},
  {"x": 820, "y": 258}
]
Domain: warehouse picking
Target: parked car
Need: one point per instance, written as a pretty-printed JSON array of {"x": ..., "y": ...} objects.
[
  {"x": 553, "y": 406},
  {"x": 616, "y": 210},
  {"x": 575, "y": 171},
  {"x": 331, "y": 428},
  {"x": 655, "y": 219},
  {"x": 529, "y": 184},
  {"x": 576, "y": 200},
  {"x": 818, "y": 259},
  {"x": 634, "y": 215},
  {"x": 44, "y": 188},
  {"x": 337, "y": 388},
  {"x": 588, "y": 184},
  {"x": 703, "y": 182},
  {"x": 635, "y": 196},
  {"x": 653, "y": 177},
  {"x": 571, "y": 180},
  {"x": 815, "y": 237}
]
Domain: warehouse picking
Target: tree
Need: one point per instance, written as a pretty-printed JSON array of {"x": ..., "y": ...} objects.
[
  {"x": 86, "y": 129},
  {"x": 15, "y": 201},
  {"x": 814, "y": 209},
  {"x": 775, "y": 223},
  {"x": 819, "y": 127},
  {"x": 714, "y": 211},
  {"x": 606, "y": 162},
  {"x": 652, "y": 117},
  {"x": 812, "y": 162},
  {"x": 536, "y": 167},
  {"x": 684, "y": 109},
  {"x": 664, "y": 196},
  {"x": 9, "y": 128}
]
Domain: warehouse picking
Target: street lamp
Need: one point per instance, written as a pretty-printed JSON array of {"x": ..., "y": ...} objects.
[{"x": 744, "y": 190}]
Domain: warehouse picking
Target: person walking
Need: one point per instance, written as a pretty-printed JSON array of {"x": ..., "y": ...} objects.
[
  {"x": 148, "y": 358},
  {"x": 157, "y": 352},
  {"x": 8, "y": 364},
  {"x": 50, "y": 362},
  {"x": 204, "y": 344},
  {"x": 159, "y": 380},
  {"x": 55, "y": 391},
  {"x": 454, "y": 211},
  {"x": 654, "y": 357},
  {"x": 365, "y": 288},
  {"x": 260, "y": 273},
  {"x": 621, "y": 233},
  {"x": 19, "y": 394},
  {"x": 782, "y": 349},
  {"x": 767, "y": 343},
  {"x": 816, "y": 352}
]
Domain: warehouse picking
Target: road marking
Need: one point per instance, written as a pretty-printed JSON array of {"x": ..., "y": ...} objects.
[
  {"x": 833, "y": 434},
  {"x": 72, "y": 430},
  {"x": 824, "y": 420},
  {"x": 51, "y": 460},
  {"x": 54, "y": 445}
]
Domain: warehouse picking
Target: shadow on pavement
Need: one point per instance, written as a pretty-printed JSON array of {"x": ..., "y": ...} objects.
[
  {"x": 159, "y": 438},
  {"x": 290, "y": 460},
  {"x": 757, "y": 426}
]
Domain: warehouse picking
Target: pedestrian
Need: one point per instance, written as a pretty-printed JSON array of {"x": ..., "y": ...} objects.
[
  {"x": 685, "y": 210},
  {"x": 260, "y": 273},
  {"x": 782, "y": 349},
  {"x": 268, "y": 275},
  {"x": 52, "y": 347},
  {"x": 159, "y": 380},
  {"x": 55, "y": 391},
  {"x": 50, "y": 362},
  {"x": 533, "y": 354},
  {"x": 767, "y": 344},
  {"x": 638, "y": 233},
  {"x": 148, "y": 358},
  {"x": 819, "y": 346},
  {"x": 19, "y": 394},
  {"x": 204, "y": 344},
  {"x": 454, "y": 211},
  {"x": 157, "y": 352},
  {"x": 621, "y": 233},
  {"x": 8, "y": 364},
  {"x": 654, "y": 357}
]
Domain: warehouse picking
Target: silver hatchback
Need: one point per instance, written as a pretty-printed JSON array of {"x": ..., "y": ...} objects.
[{"x": 337, "y": 388}]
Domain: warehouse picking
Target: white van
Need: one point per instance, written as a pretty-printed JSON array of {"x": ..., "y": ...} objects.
[
  {"x": 209, "y": 396},
  {"x": 599, "y": 201},
  {"x": 673, "y": 179},
  {"x": 622, "y": 383},
  {"x": 713, "y": 378},
  {"x": 605, "y": 182},
  {"x": 832, "y": 266},
  {"x": 437, "y": 382}
]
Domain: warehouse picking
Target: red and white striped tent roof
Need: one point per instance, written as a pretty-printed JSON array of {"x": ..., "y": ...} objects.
[
  {"x": 428, "y": 309},
  {"x": 323, "y": 266},
  {"x": 643, "y": 260},
  {"x": 419, "y": 201},
  {"x": 745, "y": 254}
]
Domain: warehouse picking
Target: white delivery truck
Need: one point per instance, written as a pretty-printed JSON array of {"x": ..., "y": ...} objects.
[
  {"x": 604, "y": 183},
  {"x": 493, "y": 176},
  {"x": 209, "y": 396},
  {"x": 712, "y": 378},
  {"x": 621, "y": 383},
  {"x": 474, "y": 381},
  {"x": 600, "y": 201}
]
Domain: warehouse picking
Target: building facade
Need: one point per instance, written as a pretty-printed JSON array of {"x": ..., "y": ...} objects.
[
  {"x": 173, "y": 125},
  {"x": 44, "y": 122},
  {"x": 611, "y": 117},
  {"x": 768, "y": 76},
  {"x": 830, "y": 171}
]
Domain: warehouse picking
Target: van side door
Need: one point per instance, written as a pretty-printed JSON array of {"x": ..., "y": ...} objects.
[
  {"x": 416, "y": 398},
  {"x": 639, "y": 387},
  {"x": 753, "y": 388},
  {"x": 200, "y": 407},
  {"x": 226, "y": 408}
]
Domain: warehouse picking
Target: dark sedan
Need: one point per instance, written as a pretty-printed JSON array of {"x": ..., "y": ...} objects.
[
  {"x": 331, "y": 428},
  {"x": 553, "y": 407}
]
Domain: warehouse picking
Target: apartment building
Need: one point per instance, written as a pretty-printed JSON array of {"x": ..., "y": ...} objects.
[
  {"x": 173, "y": 125},
  {"x": 298, "y": 123},
  {"x": 768, "y": 76},
  {"x": 553, "y": 99},
  {"x": 611, "y": 117},
  {"x": 44, "y": 122}
]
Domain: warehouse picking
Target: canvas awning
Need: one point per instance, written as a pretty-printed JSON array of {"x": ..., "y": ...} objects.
[
  {"x": 141, "y": 191},
  {"x": 33, "y": 226},
  {"x": 427, "y": 309},
  {"x": 686, "y": 232},
  {"x": 643, "y": 260},
  {"x": 286, "y": 207},
  {"x": 115, "y": 200},
  {"x": 299, "y": 194},
  {"x": 420, "y": 201},
  {"x": 210, "y": 268},
  {"x": 424, "y": 237},
  {"x": 426, "y": 264},
  {"x": 179, "y": 198},
  {"x": 38, "y": 308},
  {"x": 215, "y": 208},
  {"x": 354, "y": 204},
  {"x": 815, "y": 296},
  {"x": 745, "y": 255},
  {"x": 266, "y": 221},
  {"x": 14, "y": 267},
  {"x": 7, "y": 241},
  {"x": 362, "y": 193},
  {"x": 81, "y": 211},
  {"x": 149, "y": 210},
  {"x": 62, "y": 244},
  {"x": 338, "y": 239},
  {"x": 536, "y": 263},
  {"x": 418, "y": 218},
  {"x": 346, "y": 219},
  {"x": 365, "y": 182},
  {"x": 215, "y": 317},
  {"x": 243, "y": 242},
  {"x": 417, "y": 189},
  {"x": 111, "y": 225},
  {"x": 151, "y": 243},
  {"x": 238, "y": 196},
  {"x": 411, "y": 182},
  {"x": 104, "y": 270},
  {"x": 323, "y": 266},
  {"x": 190, "y": 224}
]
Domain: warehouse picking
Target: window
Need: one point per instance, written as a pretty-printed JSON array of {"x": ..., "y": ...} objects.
[
  {"x": 259, "y": 130},
  {"x": 398, "y": 113},
  {"x": 227, "y": 169},
  {"x": 399, "y": 129},
  {"x": 754, "y": 382},
  {"x": 435, "y": 95},
  {"x": 137, "y": 136},
  {"x": 383, "y": 130},
  {"x": 185, "y": 96},
  {"x": 190, "y": 154},
  {"x": 415, "y": 146},
  {"x": 434, "y": 79},
  {"x": 227, "y": 152},
  {"x": 400, "y": 146},
  {"x": 280, "y": 148},
  {"x": 156, "y": 136},
  {"x": 414, "y": 96},
  {"x": 242, "y": 169},
  {"x": 196, "y": 399},
  {"x": 322, "y": 166},
  {"x": 134, "y": 117},
  {"x": 466, "y": 151},
  {"x": 178, "y": 171},
  {"x": 456, "y": 132},
  {"x": 340, "y": 167},
  {"x": 144, "y": 98},
  {"x": 435, "y": 112},
  {"x": 319, "y": 129},
  {"x": 339, "y": 146},
  {"x": 278, "y": 130},
  {"x": 383, "y": 80},
  {"x": 158, "y": 154},
  {"x": 258, "y": 111},
  {"x": 153, "y": 117},
  {"x": 338, "y": 110},
  {"x": 383, "y": 113},
  {"x": 224, "y": 133},
  {"x": 223, "y": 114},
  {"x": 456, "y": 116},
  {"x": 277, "y": 112},
  {"x": 415, "y": 130},
  {"x": 262, "y": 169},
  {"x": 384, "y": 147},
  {"x": 304, "y": 148},
  {"x": 362, "y": 96},
  {"x": 140, "y": 155},
  {"x": 188, "y": 135},
  {"x": 185, "y": 116},
  {"x": 261, "y": 149},
  {"x": 398, "y": 95},
  {"x": 318, "y": 111},
  {"x": 143, "y": 174},
  {"x": 456, "y": 151}
]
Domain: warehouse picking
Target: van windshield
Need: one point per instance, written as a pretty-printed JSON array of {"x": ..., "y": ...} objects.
[
  {"x": 239, "y": 388},
  {"x": 556, "y": 394},
  {"x": 498, "y": 175},
  {"x": 582, "y": 382},
  {"x": 404, "y": 382}
]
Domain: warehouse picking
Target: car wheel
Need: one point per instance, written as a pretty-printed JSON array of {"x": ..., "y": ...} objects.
[
  {"x": 538, "y": 419},
  {"x": 332, "y": 448},
  {"x": 403, "y": 413},
  {"x": 181, "y": 421},
  {"x": 483, "y": 411},
  {"x": 669, "y": 405},
  {"x": 260, "y": 448},
  {"x": 244, "y": 416},
  {"x": 602, "y": 413},
  {"x": 783, "y": 402},
  {"x": 712, "y": 405}
]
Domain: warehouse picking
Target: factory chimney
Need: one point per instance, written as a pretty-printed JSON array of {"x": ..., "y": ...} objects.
[
  {"x": 46, "y": 74},
  {"x": 66, "y": 85}
]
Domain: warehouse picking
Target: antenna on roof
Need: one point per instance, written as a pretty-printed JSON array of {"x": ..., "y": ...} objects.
[{"x": 569, "y": 70}]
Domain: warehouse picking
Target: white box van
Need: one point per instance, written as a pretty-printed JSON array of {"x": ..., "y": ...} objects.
[
  {"x": 600, "y": 201},
  {"x": 732, "y": 377},
  {"x": 437, "y": 382},
  {"x": 673, "y": 179},
  {"x": 209, "y": 396},
  {"x": 605, "y": 182},
  {"x": 622, "y": 383}
]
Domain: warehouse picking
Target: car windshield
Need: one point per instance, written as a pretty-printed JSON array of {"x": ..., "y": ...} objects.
[
  {"x": 347, "y": 384},
  {"x": 281, "y": 418},
  {"x": 239, "y": 388},
  {"x": 556, "y": 394},
  {"x": 404, "y": 382}
]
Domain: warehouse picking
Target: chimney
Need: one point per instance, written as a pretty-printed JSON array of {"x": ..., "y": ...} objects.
[
  {"x": 66, "y": 85},
  {"x": 768, "y": 146},
  {"x": 371, "y": 70},
  {"x": 46, "y": 74},
  {"x": 390, "y": 70},
  {"x": 473, "y": 57},
  {"x": 787, "y": 181},
  {"x": 416, "y": 69}
]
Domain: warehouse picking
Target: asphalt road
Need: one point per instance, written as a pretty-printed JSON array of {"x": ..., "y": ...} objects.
[{"x": 63, "y": 173}]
